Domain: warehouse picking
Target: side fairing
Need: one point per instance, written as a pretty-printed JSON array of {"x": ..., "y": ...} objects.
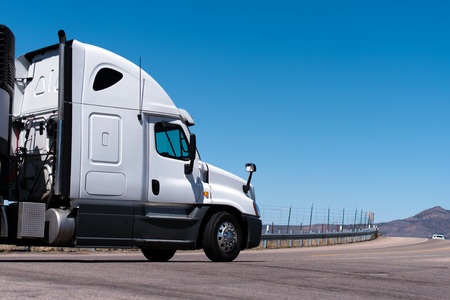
[{"x": 111, "y": 145}]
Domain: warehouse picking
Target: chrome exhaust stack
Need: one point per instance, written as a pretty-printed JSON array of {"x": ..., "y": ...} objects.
[{"x": 59, "y": 140}]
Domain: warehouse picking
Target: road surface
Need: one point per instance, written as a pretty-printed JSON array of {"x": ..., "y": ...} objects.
[{"x": 386, "y": 268}]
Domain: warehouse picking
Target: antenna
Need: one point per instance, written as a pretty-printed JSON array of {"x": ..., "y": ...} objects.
[{"x": 141, "y": 90}]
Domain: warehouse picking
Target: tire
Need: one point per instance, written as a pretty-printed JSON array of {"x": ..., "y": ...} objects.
[
  {"x": 158, "y": 255},
  {"x": 222, "y": 238}
]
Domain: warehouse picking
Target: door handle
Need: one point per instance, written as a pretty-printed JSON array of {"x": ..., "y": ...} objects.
[{"x": 155, "y": 187}]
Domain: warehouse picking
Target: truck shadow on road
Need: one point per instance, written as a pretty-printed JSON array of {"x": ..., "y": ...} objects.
[{"x": 113, "y": 261}]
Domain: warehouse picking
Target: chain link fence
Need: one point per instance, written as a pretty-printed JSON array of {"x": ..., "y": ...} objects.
[{"x": 313, "y": 219}]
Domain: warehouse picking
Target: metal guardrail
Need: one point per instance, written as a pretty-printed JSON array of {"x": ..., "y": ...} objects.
[
  {"x": 315, "y": 235},
  {"x": 316, "y": 238}
]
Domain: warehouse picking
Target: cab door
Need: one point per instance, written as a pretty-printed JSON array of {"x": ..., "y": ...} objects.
[{"x": 168, "y": 151}]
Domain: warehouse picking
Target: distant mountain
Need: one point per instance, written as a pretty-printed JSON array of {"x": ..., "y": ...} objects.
[{"x": 424, "y": 224}]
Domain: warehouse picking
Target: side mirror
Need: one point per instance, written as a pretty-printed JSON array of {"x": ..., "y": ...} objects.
[
  {"x": 249, "y": 168},
  {"x": 188, "y": 168}
]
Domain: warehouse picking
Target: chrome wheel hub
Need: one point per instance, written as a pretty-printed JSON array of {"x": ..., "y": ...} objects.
[{"x": 226, "y": 236}]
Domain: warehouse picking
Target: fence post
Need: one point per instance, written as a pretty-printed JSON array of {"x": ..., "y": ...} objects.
[
  {"x": 361, "y": 221},
  {"x": 289, "y": 219},
  {"x": 310, "y": 223}
]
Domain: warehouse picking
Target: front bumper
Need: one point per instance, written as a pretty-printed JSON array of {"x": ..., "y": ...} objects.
[{"x": 254, "y": 228}]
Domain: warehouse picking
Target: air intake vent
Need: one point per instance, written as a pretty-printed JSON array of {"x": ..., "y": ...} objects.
[{"x": 7, "y": 70}]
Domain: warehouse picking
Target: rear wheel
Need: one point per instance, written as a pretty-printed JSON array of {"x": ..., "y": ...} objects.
[
  {"x": 158, "y": 255},
  {"x": 222, "y": 237}
]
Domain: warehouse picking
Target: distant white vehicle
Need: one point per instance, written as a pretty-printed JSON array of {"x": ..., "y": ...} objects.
[{"x": 438, "y": 237}]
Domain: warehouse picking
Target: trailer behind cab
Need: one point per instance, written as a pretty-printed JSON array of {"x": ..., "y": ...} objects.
[{"x": 94, "y": 153}]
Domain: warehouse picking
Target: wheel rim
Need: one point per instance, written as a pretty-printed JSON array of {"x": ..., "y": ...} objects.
[{"x": 227, "y": 236}]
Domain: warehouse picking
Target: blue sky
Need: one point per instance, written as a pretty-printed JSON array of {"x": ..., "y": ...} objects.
[{"x": 341, "y": 104}]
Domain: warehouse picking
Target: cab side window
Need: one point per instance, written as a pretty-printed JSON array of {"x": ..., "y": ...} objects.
[{"x": 171, "y": 141}]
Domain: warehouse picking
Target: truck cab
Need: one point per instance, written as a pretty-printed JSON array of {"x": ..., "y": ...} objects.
[{"x": 94, "y": 153}]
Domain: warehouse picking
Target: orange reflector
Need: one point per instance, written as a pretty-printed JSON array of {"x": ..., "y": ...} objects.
[{"x": 206, "y": 194}]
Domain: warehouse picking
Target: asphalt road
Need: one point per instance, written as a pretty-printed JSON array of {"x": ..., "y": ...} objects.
[{"x": 387, "y": 268}]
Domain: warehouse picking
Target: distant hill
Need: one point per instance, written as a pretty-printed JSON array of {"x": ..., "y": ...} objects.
[{"x": 424, "y": 224}]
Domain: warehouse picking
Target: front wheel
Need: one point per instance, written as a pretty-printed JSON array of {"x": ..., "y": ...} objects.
[
  {"x": 158, "y": 255},
  {"x": 222, "y": 238}
]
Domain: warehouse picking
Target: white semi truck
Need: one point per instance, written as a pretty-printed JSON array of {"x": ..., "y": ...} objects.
[{"x": 94, "y": 153}]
